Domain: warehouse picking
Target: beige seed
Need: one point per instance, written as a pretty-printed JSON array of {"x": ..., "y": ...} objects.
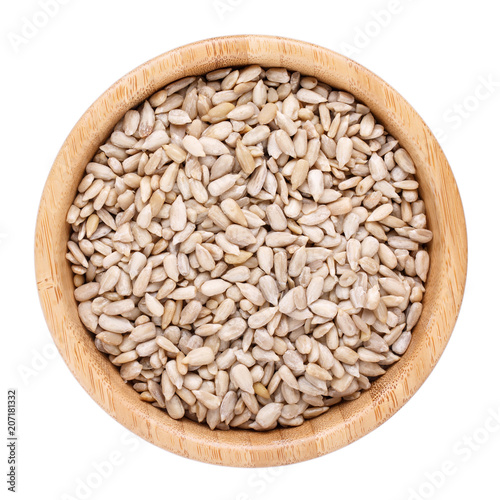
[
  {"x": 387, "y": 256},
  {"x": 381, "y": 212},
  {"x": 142, "y": 281},
  {"x": 233, "y": 211},
  {"x": 340, "y": 207},
  {"x": 269, "y": 289},
  {"x": 346, "y": 355},
  {"x": 211, "y": 401},
  {"x": 315, "y": 289},
  {"x": 402, "y": 243},
  {"x": 237, "y": 274},
  {"x": 378, "y": 168},
  {"x": 420, "y": 235},
  {"x": 297, "y": 262},
  {"x": 119, "y": 307},
  {"x": 267, "y": 113},
  {"x": 403, "y": 160},
  {"x": 287, "y": 303},
  {"x": 265, "y": 258},
  {"x": 318, "y": 372},
  {"x": 258, "y": 134},
  {"x": 87, "y": 291},
  {"x": 413, "y": 315},
  {"x": 183, "y": 293},
  {"x": 130, "y": 371},
  {"x": 220, "y": 111},
  {"x": 218, "y": 217},
  {"x": 243, "y": 112},
  {"x": 193, "y": 146},
  {"x": 115, "y": 324},
  {"x": 208, "y": 330},
  {"x": 367, "y": 125},
  {"x": 280, "y": 239},
  {"x": 252, "y": 293},
  {"x": 407, "y": 185},
  {"x": 276, "y": 217},
  {"x": 175, "y": 408},
  {"x": 393, "y": 286},
  {"x": 268, "y": 414},
  {"x": 110, "y": 338},
  {"x": 421, "y": 265},
  {"x": 214, "y": 287},
  {"x": 205, "y": 258},
  {"x": 77, "y": 254},
  {"x": 166, "y": 344},
  {"x": 242, "y": 377},
  {"x": 154, "y": 305},
  {"x": 316, "y": 184},
  {"x": 175, "y": 153},
  {"x": 262, "y": 317},
  {"x": 317, "y": 217},
  {"x": 344, "y": 150},
  {"x": 399, "y": 347},
  {"x": 346, "y": 324},
  {"x": 131, "y": 122},
  {"x": 236, "y": 260},
  {"x": 257, "y": 180},
  {"x": 300, "y": 143},
  {"x": 232, "y": 329},
  {"x": 310, "y": 97},
  {"x": 240, "y": 235},
  {"x": 178, "y": 117},
  {"x": 199, "y": 357},
  {"x": 299, "y": 173},
  {"x": 285, "y": 143},
  {"x": 324, "y": 308},
  {"x": 178, "y": 215},
  {"x": 125, "y": 357},
  {"x": 261, "y": 390},
  {"x": 143, "y": 332},
  {"x": 213, "y": 146},
  {"x": 167, "y": 180},
  {"x": 280, "y": 269}
]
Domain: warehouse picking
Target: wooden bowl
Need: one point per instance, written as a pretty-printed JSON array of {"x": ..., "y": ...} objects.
[{"x": 343, "y": 423}]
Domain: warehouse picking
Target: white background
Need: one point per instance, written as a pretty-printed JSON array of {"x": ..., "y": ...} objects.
[{"x": 437, "y": 54}]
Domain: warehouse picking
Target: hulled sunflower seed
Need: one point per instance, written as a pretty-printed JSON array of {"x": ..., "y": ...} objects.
[{"x": 249, "y": 248}]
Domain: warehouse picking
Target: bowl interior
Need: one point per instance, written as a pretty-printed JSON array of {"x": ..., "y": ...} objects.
[{"x": 345, "y": 422}]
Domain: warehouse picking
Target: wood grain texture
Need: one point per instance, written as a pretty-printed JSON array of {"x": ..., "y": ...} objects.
[{"x": 344, "y": 423}]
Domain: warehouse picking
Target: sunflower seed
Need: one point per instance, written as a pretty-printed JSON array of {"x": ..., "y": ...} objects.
[
  {"x": 249, "y": 248},
  {"x": 199, "y": 357}
]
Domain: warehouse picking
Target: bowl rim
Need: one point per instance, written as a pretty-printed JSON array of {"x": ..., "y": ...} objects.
[{"x": 342, "y": 424}]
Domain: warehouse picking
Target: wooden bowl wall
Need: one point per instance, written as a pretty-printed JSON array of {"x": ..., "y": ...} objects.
[{"x": 345, "y": 422}]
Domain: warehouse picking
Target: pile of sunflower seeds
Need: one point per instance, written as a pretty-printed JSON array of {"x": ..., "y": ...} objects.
[{"x": 248, "y": 248}]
